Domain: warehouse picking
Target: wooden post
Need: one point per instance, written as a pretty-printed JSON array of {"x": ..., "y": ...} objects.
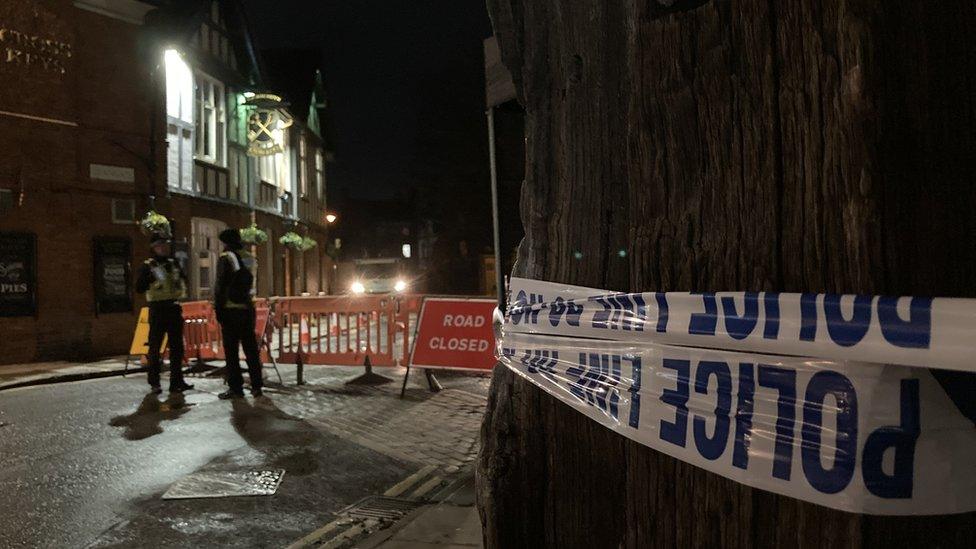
[{"x": 695, "y": 145}]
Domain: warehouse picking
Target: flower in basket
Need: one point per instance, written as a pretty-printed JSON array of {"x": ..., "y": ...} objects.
[
  {"x": 308, "y": 244},
  {"x": 253, "y": 235},
  {"x": 292, "y": 240},
  {"x": 155, "y": 223}
]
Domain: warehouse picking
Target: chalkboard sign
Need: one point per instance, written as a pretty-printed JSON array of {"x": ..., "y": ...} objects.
[
  {"x": 18, "y": 274},
  {"x": 113, "y": 288}
]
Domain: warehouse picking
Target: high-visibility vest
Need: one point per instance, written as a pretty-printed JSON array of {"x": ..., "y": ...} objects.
[{"x": 167, "y": 283}]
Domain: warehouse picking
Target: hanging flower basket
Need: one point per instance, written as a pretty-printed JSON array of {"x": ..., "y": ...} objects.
[
  {"x": 292, "y": 240},
  {"x": 253, "y": 235},
  {"x": 155, "y": 223},
  {"x": 308, "y": 244}
]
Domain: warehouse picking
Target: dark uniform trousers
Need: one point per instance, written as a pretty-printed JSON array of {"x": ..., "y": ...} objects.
[
  {"x": 237, "y": 327},
  {"x": 166, "y": 319}
]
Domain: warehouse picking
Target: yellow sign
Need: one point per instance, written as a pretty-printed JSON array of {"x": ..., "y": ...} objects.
[
  {"x": 140, "y": 340},
  {"x": 28, "y": 50},
  {"x": 266, "y": 125}
]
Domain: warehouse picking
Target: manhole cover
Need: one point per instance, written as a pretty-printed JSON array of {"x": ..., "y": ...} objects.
[
  {"x": 223, "y": 484},
  {"x": 381, "y": 508}
]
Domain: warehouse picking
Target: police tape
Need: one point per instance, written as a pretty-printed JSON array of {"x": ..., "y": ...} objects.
[
  {"x": 863, "y": 438},
  {"x": 913, "y": 331}
]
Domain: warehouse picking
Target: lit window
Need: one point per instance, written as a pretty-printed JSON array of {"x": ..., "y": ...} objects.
[
  {"x": 179, "y": 87},
  {"x": 211, "y": 120},
  {"x": 276, "y": 168},
  {"x": 302, "y": 168},
  {"x": 406, "y": 251},
  {"x": 179, "y": 127},
  {"x": 320, "y": 177}
]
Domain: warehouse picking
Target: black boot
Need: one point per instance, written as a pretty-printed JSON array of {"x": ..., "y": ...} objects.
[
  {"x": 229, "y": 394},
  {"x": 180, "y": 387},
  {"x": 155, "y": 389}
]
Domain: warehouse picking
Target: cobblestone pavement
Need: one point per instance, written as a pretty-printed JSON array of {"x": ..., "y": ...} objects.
[{"x": 424, "y": 427}]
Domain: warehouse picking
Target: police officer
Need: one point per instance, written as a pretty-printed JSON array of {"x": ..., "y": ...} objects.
[
  {"x": 162, "y": 280},
  {"x": 234, "y": 305}
]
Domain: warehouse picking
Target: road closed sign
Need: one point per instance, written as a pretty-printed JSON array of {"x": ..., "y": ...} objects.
[{"x": 455, "y": 333}]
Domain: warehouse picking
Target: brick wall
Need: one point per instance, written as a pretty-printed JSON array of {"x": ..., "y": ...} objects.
[
  {"x": 97, "y": 110},
  {"x": 98, "y": 114}
]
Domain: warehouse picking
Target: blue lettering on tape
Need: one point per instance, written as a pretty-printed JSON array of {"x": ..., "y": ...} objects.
[
  {"x": 704, "y": 323},
  {"x": 771, "y": 310},
  {"x": 743, "y": 416},
  {"x": 596, "y": 379},
  {"x": 808, "y": 317},
  {"x": 714, "y": 446},
  {"x": 516, "y": 311},
  {"x": 542, "y": 362},
  {"x": 556, "y": 311},
  {"x": 662, "y": 312},
  {"x": 784, "y": 381},
  {"x": 914, "y": 333},
  {"x": 635, "y": 386},
  {"x": 676, "y": 432},
  {"x": 621, "y": 312},
  {"x": 900, "y": 439},
  {"x": 847, "y": 332},
  {"x": 836, "y": 478},
  {"x": 739, "y": 327},
  {"x": 573, "y": 312}
]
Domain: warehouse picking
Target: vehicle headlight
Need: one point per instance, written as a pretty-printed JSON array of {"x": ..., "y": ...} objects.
[
  {"x": 358, "y": 288},
  {"x": 400, "y": 286}
]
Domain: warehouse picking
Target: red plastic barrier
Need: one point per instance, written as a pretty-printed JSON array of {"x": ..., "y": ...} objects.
[
  {"x": 202, "y": 339},
  {"x": 344, "y": 330},
  {"x": 201, "y": 333}
]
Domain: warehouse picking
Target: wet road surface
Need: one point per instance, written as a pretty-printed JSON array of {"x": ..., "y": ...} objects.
[{"x": 84, "y": 464}]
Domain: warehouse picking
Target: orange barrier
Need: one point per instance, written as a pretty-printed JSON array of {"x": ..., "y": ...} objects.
[
  {"x": 201, "y": 333},
  {"x": 408, "y": 317},
  {"x": 202, "y": 339},
  {"x": 345, "y": 330}
]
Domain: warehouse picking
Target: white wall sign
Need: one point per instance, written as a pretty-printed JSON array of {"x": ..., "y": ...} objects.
[{"x": 105, "y": 172}]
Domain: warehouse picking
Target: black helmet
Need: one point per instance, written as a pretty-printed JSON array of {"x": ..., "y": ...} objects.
[{"x": 231, "y": 237}]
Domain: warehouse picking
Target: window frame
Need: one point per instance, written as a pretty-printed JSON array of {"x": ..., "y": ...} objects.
[
  {"x": 303, "y": 167},
  {"x": 320, "y": 176},
  {"x": 210, "y": 119},
  {"x": 180, "y": 128}
]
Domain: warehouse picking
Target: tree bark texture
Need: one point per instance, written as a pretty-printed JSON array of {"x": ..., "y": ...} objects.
[{"x": 802, "y": 145}]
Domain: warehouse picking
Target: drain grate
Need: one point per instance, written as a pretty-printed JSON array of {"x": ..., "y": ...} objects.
[
  {"x": 222, "y": 484},
  {"x": 380, "y": 508}
]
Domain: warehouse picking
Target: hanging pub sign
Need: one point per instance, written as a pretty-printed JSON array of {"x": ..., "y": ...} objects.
[
  {"x": 266, "y": 124},
  {"x": 113, "y": 288},
  {"x": 18, "y": 274}
]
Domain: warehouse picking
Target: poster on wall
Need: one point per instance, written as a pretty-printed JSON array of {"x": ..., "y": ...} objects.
[
  {"x": 113, "y": 287},
  {"x": 18, "y": 274}
]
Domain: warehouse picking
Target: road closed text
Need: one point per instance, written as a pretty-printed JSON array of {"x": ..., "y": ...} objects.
[
  {"x": 440, "y": 343},
  {"x": 456, "y": 334}
]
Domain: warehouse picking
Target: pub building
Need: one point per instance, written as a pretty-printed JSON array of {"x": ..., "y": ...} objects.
[{"x": 110, "y": 109}]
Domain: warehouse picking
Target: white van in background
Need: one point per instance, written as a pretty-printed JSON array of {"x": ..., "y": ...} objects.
[{"x": 378, "y": 276}]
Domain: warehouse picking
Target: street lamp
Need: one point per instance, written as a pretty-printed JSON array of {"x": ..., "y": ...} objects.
[{"x": 330, "y": 218}]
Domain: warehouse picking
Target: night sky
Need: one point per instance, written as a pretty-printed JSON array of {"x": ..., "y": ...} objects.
[{"x": 400, "y": 75}]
